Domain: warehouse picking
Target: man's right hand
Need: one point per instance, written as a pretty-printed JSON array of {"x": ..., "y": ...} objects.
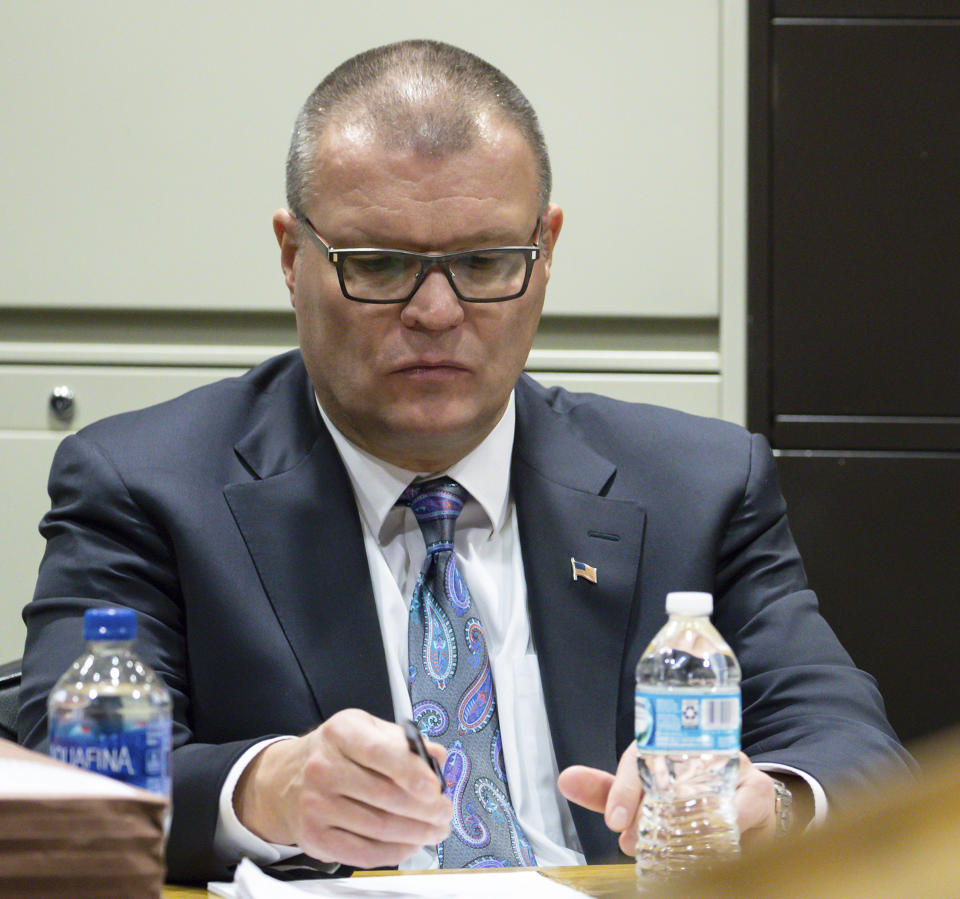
[{"x": 349, "y": 792}]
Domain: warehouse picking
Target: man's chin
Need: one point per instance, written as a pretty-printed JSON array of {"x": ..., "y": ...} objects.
[
  {"x": 440, "y": 434},
  {"x": 440, "y": 427}
]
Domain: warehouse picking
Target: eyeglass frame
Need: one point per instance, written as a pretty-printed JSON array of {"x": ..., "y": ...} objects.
[{"x": 427, "y": 261}]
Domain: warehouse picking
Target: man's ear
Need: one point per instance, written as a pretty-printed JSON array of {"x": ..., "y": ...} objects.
[
  {"x": 551, "y": 223},
  {"x": 286, "y": 228}
]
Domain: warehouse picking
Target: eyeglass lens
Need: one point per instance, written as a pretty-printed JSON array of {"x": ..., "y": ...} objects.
[{"x": 391, "y": 276}]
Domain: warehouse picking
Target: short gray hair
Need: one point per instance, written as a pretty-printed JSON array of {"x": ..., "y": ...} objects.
[{"x": 419, "y": 94}]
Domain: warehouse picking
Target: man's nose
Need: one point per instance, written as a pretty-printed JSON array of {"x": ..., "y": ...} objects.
[{"x": 435, "y": 306}]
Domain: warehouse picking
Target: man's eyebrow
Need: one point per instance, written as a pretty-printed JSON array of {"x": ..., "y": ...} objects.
[
  {"x": 492, "y": 237},
  {"x": 496, "y": 238}
]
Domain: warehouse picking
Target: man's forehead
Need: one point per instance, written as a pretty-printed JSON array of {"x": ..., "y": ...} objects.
[
  {"x": 353, "y": 159},
  {"x": 358, "y": 140}
]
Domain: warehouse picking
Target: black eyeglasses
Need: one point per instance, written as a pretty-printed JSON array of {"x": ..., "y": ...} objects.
[{"x": 488, "y": 275}]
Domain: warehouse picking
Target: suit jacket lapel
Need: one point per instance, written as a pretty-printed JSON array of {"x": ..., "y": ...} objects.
[
  {"x": 580, "y": 629},
  {"x": 300, "y": 523}
]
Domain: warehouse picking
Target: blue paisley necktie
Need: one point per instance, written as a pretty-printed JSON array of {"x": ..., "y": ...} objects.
[{"x": 451, "y": 689}]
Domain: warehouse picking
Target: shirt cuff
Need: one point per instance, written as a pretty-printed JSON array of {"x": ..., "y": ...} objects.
[
  {"x": 234, "y": 841},
  {"x": 819, "y": 796}
]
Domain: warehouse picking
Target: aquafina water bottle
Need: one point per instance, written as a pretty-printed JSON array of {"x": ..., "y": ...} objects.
[{"x": 110, "y": 713}]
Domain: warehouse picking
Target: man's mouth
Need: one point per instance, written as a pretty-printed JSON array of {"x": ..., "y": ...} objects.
[{"x": 427, "y": 366}]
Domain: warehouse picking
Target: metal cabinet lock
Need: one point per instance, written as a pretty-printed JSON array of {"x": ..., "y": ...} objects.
[{"x": 62, "y": 403}]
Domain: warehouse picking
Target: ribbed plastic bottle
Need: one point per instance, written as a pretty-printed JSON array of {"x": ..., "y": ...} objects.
[
  {"x": 110, "y": 713},
  {"x": 688, "y": 742}
]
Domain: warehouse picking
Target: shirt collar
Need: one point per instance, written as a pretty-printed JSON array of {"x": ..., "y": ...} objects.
[{"x": 484, "y": 473}]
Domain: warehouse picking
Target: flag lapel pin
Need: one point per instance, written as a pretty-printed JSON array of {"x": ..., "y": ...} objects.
[{"x": 584, "y": 571}]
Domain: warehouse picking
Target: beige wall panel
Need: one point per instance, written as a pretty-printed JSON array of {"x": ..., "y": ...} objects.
[
  {"x": 24, "y": 464},
  {"x": 98, "y": 391},
  {"x": 148, "y": 141},
  {"x": 699, "y": 394}
]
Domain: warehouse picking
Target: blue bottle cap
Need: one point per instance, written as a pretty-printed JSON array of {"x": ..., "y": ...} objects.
[{"x": 109, "y": 624}]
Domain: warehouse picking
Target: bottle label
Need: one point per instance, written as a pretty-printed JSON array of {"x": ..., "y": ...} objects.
[
  {"x": 139, "y": 756},
  {"x": 682, "y": 721}
]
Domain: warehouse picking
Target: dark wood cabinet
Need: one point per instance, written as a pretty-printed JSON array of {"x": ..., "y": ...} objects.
[{"x": 854, "y": 323}]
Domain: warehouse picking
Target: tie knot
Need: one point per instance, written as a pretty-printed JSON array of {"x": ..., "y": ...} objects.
[{"x": 436, "y": 505}]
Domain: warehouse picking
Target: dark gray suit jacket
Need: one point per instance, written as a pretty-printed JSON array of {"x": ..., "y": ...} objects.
[{"x": 226, "y": 519}]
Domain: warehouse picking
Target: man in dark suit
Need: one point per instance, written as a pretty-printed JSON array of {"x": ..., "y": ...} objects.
[{"x": 253, "y": 524}]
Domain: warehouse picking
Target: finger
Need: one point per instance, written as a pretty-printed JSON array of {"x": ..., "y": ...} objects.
[
  {"x": 352, "y": 783},
  {"x": 623, "y": 802},
  {"x": 746, "y": 767},
  {"x": 754, "y": 800},
  {"x": 374, "y": 823},
  {"x": 585, "y": 786},
  {"x": 437, "y": 751},
  {"x": 381, "y": 747},
  {"x": 335, "y": 844},
  {"x": 617, "y": 797}
]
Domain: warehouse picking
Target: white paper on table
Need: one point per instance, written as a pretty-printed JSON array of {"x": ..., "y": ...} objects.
[
  {"x": 24, "y": 777},
  {"x": 250, "y": 882}
]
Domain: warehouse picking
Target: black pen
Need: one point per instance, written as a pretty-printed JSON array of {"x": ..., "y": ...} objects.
[{"x": 415, "y": 742}]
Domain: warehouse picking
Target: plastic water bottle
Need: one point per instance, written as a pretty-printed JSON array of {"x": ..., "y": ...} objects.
[
  {"x": 688, "y": 742},
  {"x": 110, "y": 713}
]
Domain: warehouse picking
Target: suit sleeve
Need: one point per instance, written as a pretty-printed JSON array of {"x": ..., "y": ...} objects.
[
  {"x": 105, "y": 548},
  {"x": 805, "y": 704}
]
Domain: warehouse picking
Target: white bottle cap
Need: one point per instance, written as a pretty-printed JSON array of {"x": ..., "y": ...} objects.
[{"x": 689, "y": 603}]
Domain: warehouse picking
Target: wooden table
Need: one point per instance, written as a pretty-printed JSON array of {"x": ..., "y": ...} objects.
[{"x": 599, "y": 881}]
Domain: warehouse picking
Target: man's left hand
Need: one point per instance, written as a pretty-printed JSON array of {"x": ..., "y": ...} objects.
[{"x": 617, "y": 798}]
